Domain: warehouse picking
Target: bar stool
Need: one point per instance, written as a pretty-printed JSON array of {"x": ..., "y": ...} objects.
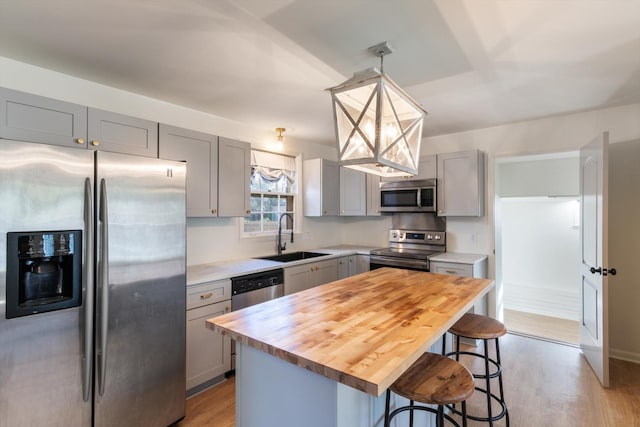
[
  {"x": 432, "y": 380},
  {"x": 485, "y": 328}
]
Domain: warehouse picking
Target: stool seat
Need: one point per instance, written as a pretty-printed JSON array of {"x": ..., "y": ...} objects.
[
  {"x": 478, "y": 327},
  {"x": 435, "y": 379}
]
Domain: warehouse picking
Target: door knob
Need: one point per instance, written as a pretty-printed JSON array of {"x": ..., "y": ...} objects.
[{"x": 595, "y": 270}]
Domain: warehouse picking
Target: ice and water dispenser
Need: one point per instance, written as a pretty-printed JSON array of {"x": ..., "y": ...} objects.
[{"x": 44, "y": 271}]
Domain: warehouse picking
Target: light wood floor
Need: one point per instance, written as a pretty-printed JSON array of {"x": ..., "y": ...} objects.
[
  {"x": 546, "y": 384},
  {"x": 552, "y": 328}
]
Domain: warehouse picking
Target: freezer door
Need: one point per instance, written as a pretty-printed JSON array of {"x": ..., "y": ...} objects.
[
  {"x": 42, "y": 356},
  {"x": 141, "y": 291}
]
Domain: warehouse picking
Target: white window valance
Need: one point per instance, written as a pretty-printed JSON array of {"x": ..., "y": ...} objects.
[
  {"x": 272, "y": 167},
  {"x": 272, "y": 160}
]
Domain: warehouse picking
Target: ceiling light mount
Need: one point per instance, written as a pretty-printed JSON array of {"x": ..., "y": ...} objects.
[
  {"x": 280, "y": 138},
  {"x": 378, "y": 125}
]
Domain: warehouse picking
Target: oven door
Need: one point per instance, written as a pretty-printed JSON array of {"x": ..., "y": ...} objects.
[{"x": 377, "y": 261}]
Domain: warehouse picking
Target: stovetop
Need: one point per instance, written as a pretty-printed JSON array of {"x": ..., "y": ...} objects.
[
  {"x": 404, "y": 253},
  {"x": 414, "y": 244}
]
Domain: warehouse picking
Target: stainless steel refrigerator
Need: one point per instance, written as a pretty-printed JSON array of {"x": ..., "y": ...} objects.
[{"x": 92, "y": 288}]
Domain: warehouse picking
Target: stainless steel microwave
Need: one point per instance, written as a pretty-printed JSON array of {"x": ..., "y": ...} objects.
[{"x": 408, "y": 196}]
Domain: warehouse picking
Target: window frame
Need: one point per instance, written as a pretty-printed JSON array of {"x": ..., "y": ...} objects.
[{"x": 297, "y": 205}]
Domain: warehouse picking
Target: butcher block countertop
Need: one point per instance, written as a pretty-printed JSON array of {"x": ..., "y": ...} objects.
[{"x": 363, "y": 331}]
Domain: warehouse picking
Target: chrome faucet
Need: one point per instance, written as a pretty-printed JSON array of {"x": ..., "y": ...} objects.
[{"x": 279, "y": 246}]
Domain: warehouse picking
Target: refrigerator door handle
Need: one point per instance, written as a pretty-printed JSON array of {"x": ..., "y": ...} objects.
[
  {"x": 103, "y": 275},
  {"x": 89, "y": 291}
]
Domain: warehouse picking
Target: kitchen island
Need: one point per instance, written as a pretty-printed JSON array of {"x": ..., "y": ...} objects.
[{"x": 324, "y": 356}]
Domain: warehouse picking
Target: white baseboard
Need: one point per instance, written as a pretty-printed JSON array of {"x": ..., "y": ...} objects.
[
  {"x": 543, "y": 301},
  {"x": 624, "y": 355}
]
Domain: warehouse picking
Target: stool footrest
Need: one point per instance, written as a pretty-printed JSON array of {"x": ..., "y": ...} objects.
[
  {"x": 426, "y": 409},
  {"x": 494, "y": 374},
  {"x": 497, "y": 417}
]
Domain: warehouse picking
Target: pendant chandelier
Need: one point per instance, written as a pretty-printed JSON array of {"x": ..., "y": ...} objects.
[{"x": 378, "y": 125}]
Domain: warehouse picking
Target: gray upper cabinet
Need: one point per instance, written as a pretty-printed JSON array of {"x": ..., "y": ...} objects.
[
  {"x": 218, "y": 171},
  {"x": 200, "y": 151},
  {"x": 234, "y": 174},
  {"x": 461, "y": 183},
  {"x": 33, "y": 118},
  {"x": 321, "y": 182},
  {"x": 118, "y": 133},
  {"x": 427, "y": 169},
  {"x": 353, "y": 192},
  {"x": 373, "y": 195}
]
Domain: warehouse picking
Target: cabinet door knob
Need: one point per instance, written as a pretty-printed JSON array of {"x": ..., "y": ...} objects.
[
  {"x": 248, "y": 211},
  {"x": 214, "y": 211},
  {"x": 227, "y": 309},
  {"x": 95, "y": 142},
  {"x": 207, "y": 295},
  {"x": 79, "y": 140}
]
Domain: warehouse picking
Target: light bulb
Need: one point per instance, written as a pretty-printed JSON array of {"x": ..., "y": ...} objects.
[
  {"x": 369, "y": 130},
  {"x": 279, "y": 144}
]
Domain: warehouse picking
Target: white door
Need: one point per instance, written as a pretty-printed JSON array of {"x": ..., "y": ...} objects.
[{"x": 594, "y": 340}]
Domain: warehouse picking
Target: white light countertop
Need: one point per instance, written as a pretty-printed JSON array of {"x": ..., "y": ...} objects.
[
  {"x": 458, "y": 258},
  {"x": 226, "y": 269}
]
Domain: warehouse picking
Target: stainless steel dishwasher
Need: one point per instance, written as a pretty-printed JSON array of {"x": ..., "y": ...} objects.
[{"x": 252, "y": 289}]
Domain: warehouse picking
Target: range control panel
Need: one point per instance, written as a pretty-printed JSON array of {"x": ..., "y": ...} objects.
[{"x": 417, "y": 236}]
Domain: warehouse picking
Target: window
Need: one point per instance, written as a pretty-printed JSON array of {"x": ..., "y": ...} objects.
[{"x": 273, "y": 191}]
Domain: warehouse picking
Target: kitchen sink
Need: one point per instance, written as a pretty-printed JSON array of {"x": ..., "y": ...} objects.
[{"x": 292, "y": 256}]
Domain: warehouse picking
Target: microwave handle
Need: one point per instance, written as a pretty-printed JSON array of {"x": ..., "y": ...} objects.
[{"x": 419, "y": 196}]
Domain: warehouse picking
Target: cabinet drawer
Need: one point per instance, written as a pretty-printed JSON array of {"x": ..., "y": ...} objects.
[
  {"x": 452, "y": 268},
  {"x": 208, "y": 293}
]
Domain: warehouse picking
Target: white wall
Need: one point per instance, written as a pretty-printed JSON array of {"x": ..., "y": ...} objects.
[
  {"x": 540, "y": 255},
  {"x": 538, "y": 176},
  {"x": 624, "y": 249}
]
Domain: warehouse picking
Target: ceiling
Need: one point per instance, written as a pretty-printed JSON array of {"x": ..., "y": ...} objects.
[{"x": 267, "y": 63}]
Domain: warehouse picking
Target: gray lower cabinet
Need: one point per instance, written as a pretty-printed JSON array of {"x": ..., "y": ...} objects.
[
  {"x": 208, "y": 354},
  {"x": 33, "y": 118},
  {"x": 218, "y": 171},
  {"x": 305, "y": 276},
  {"x": 351, "y": 265},
  {"x": 461, "y": 183},
  {"x": 118, "y": 133},
  {"x": 468, "y": 265}
]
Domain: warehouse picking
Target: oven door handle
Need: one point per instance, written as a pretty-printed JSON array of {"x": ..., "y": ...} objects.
[{"x": 399, "y": 262}]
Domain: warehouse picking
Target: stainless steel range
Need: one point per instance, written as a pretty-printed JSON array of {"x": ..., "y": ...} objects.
[{"x": 409, "y": 249}]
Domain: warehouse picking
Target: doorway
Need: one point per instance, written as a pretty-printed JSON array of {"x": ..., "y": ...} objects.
[{"x": 537, "y": 244}]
